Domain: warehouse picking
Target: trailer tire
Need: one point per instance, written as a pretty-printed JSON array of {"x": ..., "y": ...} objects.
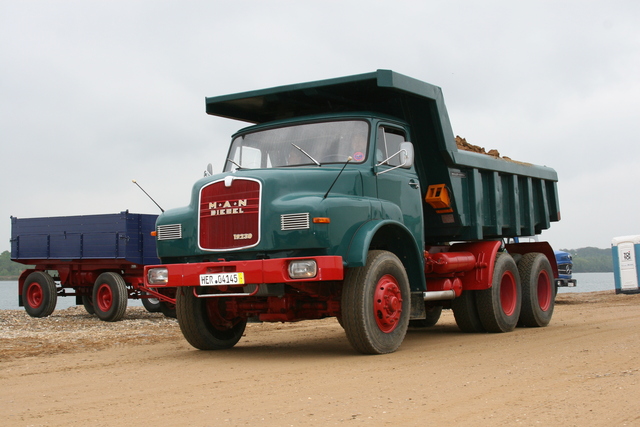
[
  {"x": 151, "y": 304},
  {"x": 87, "y": 303},
  {"x": 204, "y": 323},
  {"x": 376, "y": 304},
  {"x": 538, "y": 290},
  {"x": 110, "y": 297},
  {"x": 433, "y": 315},
  {"x": 465, "y": 312},
  {"x": 499, "y": 306},
  {"x": 39, "y": 294}
]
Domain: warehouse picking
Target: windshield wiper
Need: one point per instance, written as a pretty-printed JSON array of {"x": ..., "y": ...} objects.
[
  {"x": 236, "y": 164},
  {"x": 306, "y": 154}
]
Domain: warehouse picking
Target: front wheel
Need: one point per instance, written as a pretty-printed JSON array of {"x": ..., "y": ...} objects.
[
  {"x": 39, "y": 294},
  {"x": 376, "y": 304},
  {"x": 110, "y": 297},
  {"x": 205, "y": 323}
]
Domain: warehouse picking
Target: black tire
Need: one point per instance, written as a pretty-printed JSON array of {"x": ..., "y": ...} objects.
[
  {"x": 538, "y": 290},
  {"x": 433, "y": 315},
  {"x": 110, "y": 297},
  {"x": 168, "y": 309},
  {"x": 39, "y": 295},
  {"x": 87, "y": 303},
  {"x": 465, "y": 312},
  {"x": 376, "y": 304},
  {"x": 499, "y": 306},
  {"x": 151, "y": 304},
  {"x": 204, "y": 322}
]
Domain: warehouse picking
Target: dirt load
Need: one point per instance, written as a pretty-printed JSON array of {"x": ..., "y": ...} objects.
[{"x": 72, "y": 369}]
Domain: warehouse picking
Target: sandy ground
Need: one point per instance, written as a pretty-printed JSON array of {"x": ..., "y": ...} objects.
[{"x": 71, "y": 369}]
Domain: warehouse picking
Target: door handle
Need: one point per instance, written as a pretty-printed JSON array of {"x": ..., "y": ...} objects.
[{"x": 413, "y": 183}]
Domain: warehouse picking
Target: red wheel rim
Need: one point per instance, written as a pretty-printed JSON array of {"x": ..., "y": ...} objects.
[
  {"x": 508, "y": 293},
  {"x": 34, "y": 295},
  {"x": 544, "y": 291},
  {"x": 104, "y": 297},
  {"x": 387, "y": 303}
]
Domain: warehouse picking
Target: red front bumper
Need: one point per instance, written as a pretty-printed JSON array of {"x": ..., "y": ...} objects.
[{"x": 255, "y": 271}]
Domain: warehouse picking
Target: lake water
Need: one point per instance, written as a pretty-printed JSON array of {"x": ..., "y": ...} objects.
[{"x": 587, "y": 282}]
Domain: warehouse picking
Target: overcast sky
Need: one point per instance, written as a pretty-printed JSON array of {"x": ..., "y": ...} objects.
[{"x": 94, "y": 94}]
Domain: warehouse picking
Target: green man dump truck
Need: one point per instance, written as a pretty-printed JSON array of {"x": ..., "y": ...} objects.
[{"x": 348, "y": 197}]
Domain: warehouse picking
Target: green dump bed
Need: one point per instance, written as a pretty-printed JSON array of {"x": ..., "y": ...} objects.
[{"x": 489, "y": 197}]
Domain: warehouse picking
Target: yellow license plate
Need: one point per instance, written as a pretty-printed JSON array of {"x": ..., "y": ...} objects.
[{"x": 221, "y": 279}]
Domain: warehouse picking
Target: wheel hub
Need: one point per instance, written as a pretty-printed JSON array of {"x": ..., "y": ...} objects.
[
  {"x": 34, "y": 295},
  {"x": 387, "y": 303},
  {"x": 104, "y": 297}
]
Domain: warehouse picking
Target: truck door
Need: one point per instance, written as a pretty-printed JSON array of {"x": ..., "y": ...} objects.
[{"x": 396, "y": 183}]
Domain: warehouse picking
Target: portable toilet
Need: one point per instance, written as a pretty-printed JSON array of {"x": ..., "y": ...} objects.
[{"x": 626, "y": 268}]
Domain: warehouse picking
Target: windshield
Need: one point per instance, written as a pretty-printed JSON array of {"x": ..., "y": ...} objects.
[{"x": 305, "y": 144}]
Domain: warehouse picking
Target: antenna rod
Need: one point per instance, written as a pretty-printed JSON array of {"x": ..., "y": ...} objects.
[
  {"x": 134, "y": 181},
  {"x": 340, "y": 173}
]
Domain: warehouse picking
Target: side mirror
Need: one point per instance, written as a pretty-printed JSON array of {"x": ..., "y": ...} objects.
[{"x": 407, "y": 155}]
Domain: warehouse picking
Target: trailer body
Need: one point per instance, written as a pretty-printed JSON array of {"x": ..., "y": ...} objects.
[
  {"x": 76, "y": 251},
  {"x": 350, "y": 193}
]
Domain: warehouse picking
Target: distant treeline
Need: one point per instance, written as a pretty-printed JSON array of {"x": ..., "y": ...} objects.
[
  {"x": 9, "y": 270},
  {"x": 591, "y": 260}
]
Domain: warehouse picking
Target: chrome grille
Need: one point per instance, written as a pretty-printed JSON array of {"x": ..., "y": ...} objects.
[
  {"x": 170, "y": 232},
  {"x": 298, "y": 221}
]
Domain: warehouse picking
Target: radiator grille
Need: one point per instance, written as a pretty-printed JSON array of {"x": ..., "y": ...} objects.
[
  {"x": 170, "y": 232},
  {"x": 298, "y": 221},
  {"x": 230, "y": 214}
]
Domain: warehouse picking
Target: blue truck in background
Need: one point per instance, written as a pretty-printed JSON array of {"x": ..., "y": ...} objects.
[
  {"x": 99, "y": 259},
  {"x": 565, "y": 269}
]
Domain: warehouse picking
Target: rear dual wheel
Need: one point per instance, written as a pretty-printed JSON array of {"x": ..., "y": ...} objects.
[
  {"x": 538, "y": 290},
  {"x": 496, "y": 309}
]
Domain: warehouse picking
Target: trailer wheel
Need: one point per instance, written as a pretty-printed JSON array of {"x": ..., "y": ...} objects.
[
  {"x": 465, "y": 312},
  {"x": 39, "y": 294},
  {"x": 433, "y": 315},
  {"x": 110, "y": 297},
  {"x": 204, "y": 321},
  {"x": 499, "y": 306},
  {"x": 151, "y": 304},
  {"x": 376, "y": 304},
  {"x": 87, "y": 303},
  {"x": 538, "y": 290}
]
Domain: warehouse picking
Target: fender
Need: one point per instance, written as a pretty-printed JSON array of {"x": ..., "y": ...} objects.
[
  {"x": 485, "y": 252},
  {"x": 393, "y": 236},
  {"x": 21, "y": 280},
  {"x": 542, "y": 247}
]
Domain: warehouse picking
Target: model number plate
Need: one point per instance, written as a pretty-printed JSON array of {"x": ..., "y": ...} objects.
[{"x": 222, "y": 279}]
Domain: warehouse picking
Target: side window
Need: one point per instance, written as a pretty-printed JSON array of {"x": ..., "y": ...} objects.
[{"x": 388, "y": 146}]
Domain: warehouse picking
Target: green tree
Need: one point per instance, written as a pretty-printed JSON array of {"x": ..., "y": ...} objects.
[
  {"x": 9, "y": 269},
  {"x": 591, "y": 260}
]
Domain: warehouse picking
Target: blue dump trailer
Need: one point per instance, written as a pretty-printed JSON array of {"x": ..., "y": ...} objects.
[{"x": 99, "y": 259}]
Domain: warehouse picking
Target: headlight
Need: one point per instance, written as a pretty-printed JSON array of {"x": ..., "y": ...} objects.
[
  {"x": 158, "y": 276},
  {"x": 303, "y": 269}
]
